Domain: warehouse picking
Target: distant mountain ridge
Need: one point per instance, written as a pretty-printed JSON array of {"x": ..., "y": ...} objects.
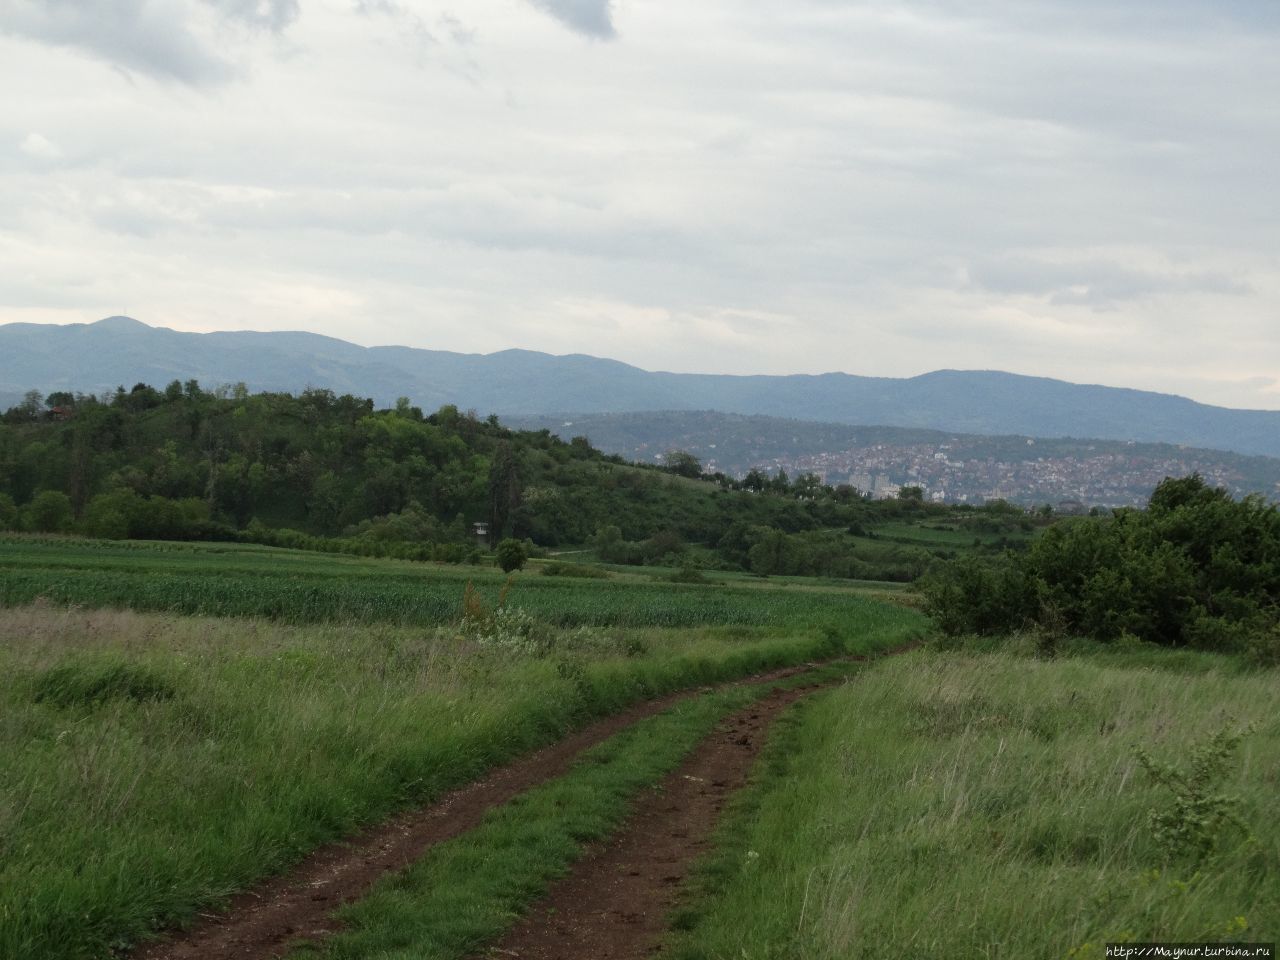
[{"x": 119, "y": 350}]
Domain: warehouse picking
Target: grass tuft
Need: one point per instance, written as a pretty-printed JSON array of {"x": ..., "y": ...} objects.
[{"x": 86, "y": 683}]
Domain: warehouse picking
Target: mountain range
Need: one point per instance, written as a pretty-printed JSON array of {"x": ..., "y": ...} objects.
[{"x": 122, "y": 351}]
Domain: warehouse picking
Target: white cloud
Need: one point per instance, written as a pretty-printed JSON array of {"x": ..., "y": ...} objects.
[{"x": 41, "y": 147}]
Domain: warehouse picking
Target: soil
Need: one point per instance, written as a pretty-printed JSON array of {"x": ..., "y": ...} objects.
[
  {"x": 272, "y": 918},
  {"x": 614, "y": 903}
]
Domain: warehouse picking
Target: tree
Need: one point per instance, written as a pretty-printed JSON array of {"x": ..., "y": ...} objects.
[
  {"x": 911, "y": 494},
  {"x": 504, "y": 491},
  {"x": 49, "y": 512},
  {"x": 770, "y": 553},
  {"x": 682, "y": 463},
  {"x": 8, "y": 513},
  {"x": 609, "y": 545},
  {"x": 511, "y": 555},
  {"x": 29, "y": 408}
]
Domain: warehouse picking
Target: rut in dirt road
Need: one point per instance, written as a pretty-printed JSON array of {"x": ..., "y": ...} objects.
[
  {"x": 266, "y": 921},
  {"x": 614, "y": 903}
]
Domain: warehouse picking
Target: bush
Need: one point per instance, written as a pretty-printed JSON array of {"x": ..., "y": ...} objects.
[
  {"x": 8, "y": 513},
  {"x": 511, "y": 555},
  {"x": 1195, "y": 569},
  {"x": 49, "y": 512}
]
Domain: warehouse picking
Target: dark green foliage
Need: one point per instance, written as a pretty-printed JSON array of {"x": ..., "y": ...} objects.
[
  {"x": 1196, "y": 568},
  {"x": 89, "y": 682},
  {"x": 323, "y": 472},
  {"x": 49, "y": 512},
  {"x": 511, "y": 555},
  {"x": 561, "y": 569}
]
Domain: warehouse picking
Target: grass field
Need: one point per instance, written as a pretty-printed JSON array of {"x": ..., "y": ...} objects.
[
  {"x": 966, "y": 805},
  {"x": 299, "y": 587},
  {"x": 151, "y": 764}
]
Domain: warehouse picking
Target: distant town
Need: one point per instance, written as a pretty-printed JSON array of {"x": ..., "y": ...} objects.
[
  {"x": 951, "y": 473},
  {"x": 1068, "y": 474}
]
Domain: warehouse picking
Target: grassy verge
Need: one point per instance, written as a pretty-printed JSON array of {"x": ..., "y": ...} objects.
[
  {"x": 469, "y": 890},
  {"x": 152, "y": 765},
  {"x": 954, "y": 805}
]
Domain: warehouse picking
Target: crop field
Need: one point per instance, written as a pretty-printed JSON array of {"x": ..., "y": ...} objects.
[
  {"x": 300, "y": 587},
  {"x": 952, "y": 804},
  {"x": 935, "y": 534},
  {"x": 152, "y": 761}
]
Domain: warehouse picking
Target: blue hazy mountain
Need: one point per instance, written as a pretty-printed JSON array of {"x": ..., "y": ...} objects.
[{"x": 122, "y": 351}]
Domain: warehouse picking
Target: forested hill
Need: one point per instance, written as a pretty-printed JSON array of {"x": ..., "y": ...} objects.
[
  {"x": 186, "y": 463},
  {"x": 99, "y": 356}
]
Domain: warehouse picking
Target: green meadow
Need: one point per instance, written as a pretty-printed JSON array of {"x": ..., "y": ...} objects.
[
  {"x": 959, "y": 804},
  {"x": 154, "y": 761}
]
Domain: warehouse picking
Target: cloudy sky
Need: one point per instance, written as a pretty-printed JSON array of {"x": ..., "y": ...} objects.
[{"x": 1071, "y": 188}]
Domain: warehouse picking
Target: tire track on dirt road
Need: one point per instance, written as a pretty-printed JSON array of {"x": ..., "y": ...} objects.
[
  {"x": 615, "y": 902},
  {"x": 267, "y": 921}
]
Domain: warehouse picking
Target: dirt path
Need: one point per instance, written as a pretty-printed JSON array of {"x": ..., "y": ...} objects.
[
  {"x": 614, "y": 904},
  {"x": 263, "y": 922}
]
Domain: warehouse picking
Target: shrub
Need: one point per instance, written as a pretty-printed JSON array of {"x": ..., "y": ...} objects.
[
  {"x": 49, "y": 512},
  {"x": 1195, "y": 569},
  {"x": 1202, "y": 816},
  {"x": 8, "y": 513},
  {"x": 511, "y": 555}
]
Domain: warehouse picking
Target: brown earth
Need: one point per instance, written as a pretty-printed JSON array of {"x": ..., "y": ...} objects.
[
  {"x": 297, "y": 906},
  {"x": 614, "y": 904}
]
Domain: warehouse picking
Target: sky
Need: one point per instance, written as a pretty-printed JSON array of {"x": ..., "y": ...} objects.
[{"x": 1077, "y": 189}]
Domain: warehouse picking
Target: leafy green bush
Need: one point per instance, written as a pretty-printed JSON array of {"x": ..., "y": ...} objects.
[
  {"x": 1202, "y": 817},
  {"x": 511, "y": 555},
  {"x": 1196, "y": 568}
]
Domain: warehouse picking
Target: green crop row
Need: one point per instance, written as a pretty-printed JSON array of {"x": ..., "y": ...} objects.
[{"x": 291, "y": 587}]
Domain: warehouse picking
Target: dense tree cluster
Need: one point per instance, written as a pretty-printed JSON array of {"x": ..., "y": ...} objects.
[
  {"x": 1196, "y": 568},
  {"x": 322, "y": 471}
]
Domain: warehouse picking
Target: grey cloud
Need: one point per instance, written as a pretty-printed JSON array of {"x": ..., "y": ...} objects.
[
  {"x": 592, "y": 18},
  {"x": 1095, "y": 283},
  {"x": 273, "y": 15},
  {"x": 151, "y": 37},
  {"x": 135, "y": 35}
]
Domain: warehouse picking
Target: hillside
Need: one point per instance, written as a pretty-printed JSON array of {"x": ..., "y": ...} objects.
[
  {"x": 958, "y": 467},
  {"x": 331, "y": 472},
  {"x": 121, "y": 351}
]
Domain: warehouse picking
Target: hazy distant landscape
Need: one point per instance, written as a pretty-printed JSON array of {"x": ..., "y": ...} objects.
[
  {"x": 121, "y": 352},
  {"x": 951, "y": 467},
  {"x": 605, "y": 480}
]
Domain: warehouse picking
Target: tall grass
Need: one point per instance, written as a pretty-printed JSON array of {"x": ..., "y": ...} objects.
[
  {"x": 151, "y": 765},
  {"x": 956, "y": 805}
]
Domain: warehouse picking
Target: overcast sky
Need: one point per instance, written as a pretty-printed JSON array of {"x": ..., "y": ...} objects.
[{"x": 1070, "y": 188}]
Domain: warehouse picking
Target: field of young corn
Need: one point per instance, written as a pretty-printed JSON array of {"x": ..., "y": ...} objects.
[{"x": 295, "y": 587}]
